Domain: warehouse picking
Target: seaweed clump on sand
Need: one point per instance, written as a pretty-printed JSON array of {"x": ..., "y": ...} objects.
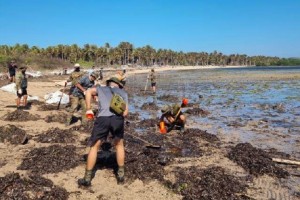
[
  {"x": 168, "y": 97},
  {"x": 149, "y": 106},
  {"x": 86, "y": 127},
  {"x": 197, "y": 111},
  {"x": 52, "y": 159},
  {"x": 197, "y": 133},
  {"x": 47, "y": 107},
  {"x": 133, "y": 117},
  {"x": 61, "y": 118},
  {"x": 56, "y": 135},
  {"x": 20, "y": 115},
  {"x": 13, "y": 186},
  {"x": 141, "y": 162},
  {"x": 255, "y": 161},
  {"x": 211, "y": 183},
  {"x": 12, "y": 134},
  {"x": 148, "y": 123}
]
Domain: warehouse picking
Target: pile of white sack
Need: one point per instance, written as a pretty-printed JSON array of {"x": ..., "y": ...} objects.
[{"x": 11, "y": 88}]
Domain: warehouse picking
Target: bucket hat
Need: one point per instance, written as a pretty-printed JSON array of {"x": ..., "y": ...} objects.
[{"x": 115, "y": 80}]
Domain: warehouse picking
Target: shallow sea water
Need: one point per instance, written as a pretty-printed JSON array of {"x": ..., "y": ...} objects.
[{"x": 262, "y": 111}]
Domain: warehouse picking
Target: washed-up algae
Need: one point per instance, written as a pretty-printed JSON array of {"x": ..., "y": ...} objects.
[
  {"x": 133, "y": 117},
  {"x": 255, "y": 161},
  {"x": 197, "y": 111},
  {"x": 197, "y": 133},
  {"x": 85, "y": 128},
  {"x": 211, "y": 183},
  {"x": 61, "y": 118},
  {"x": 12, "y": 134},
  {"x": 56, "y": 135},
  {"x": 52, "y": 159},
  {"x": 149, "y": 106},
  {"x": 48, "y": 107},
  {"x": 147, "y": 123},
  {"x": 13, "y": 186},
  {"x": 168, "y": 97},
  {"x": 20, "y": 116}
]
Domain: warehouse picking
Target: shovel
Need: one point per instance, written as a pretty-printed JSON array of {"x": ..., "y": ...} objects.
[
  {"x": 61, "y": 96},
  {"x": 147, "y": 144},
  {"x": 146, "y": 84}
]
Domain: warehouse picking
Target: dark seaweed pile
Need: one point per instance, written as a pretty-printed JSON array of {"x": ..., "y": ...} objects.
[
  {"x": 56, "y": 135},
  {"x": 255, "y": 161},
  {"x": 168, "y": 97},
  {"x": 85, "y": 128},
  {"x": 13, "y": 186},
  {"x": 61, "y": 118},
  {"x": 149, "y": 106},
  {"x": 146, "y": 123},
  {"x": 212, "y": 183},
  {"x": 197, "y": 133},
  {"x": 197, "y": 111},
  {"x": 141, "y": 162},
  {"x": 52, "y": 159},
  {"x": 13, "y": 135},
  {"x": 47, "y": 107},
  {"x": 20, "y": 115},
  {"x": 133, "y": 117},
  {"x": 145, "y": 162}
]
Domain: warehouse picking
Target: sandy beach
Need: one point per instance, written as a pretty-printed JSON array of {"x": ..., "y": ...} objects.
[{"x": 104, "y": 185}]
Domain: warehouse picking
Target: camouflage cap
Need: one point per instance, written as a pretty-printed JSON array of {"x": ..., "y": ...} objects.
[{"x": 165, "y": 109}]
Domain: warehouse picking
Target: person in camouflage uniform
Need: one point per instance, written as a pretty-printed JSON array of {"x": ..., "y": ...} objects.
[
  {"x": 78, "y": 96},
  {"x": 21, "y": 86},
  {"x": 74, "y": 77},
  {"x": 152, "y": 78},
  {"x": 173, "y": 117}
]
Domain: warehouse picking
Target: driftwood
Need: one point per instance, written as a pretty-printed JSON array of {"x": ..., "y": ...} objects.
[{"x": 290, "y": 162}]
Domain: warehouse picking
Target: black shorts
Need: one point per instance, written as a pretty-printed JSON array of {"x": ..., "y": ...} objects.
[
  {"x": 24, "y": 92},
  {"x": 153, "y": 84},
  {"x": 104, "y": 125},
  {"x": 12, "y": 73}
]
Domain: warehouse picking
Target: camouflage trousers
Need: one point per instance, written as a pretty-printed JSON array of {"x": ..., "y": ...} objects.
[{"x": 75, "y": 103}]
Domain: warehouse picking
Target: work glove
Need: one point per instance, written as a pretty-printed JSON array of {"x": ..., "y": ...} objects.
[
  {"x": 84, "y": 93},
  {"x": 19, "y": 91},
  {"x": 89, "y": 114}
]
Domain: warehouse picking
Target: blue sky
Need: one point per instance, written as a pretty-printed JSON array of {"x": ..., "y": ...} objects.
[{"x": 252, "y": 27}]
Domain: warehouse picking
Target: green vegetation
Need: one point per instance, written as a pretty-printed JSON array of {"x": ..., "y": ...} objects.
[{"x": 125, "y": 53}]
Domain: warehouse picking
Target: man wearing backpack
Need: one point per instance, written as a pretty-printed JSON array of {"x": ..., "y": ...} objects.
[
  {"x": 113, "y": 107},
  {"x": 78, "y": 96}
]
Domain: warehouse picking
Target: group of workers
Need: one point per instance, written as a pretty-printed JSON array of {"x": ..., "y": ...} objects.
[{"x": 112, "y": 103}]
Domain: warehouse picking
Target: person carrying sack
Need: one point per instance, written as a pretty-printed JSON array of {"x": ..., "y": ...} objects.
[
  {"x": 173, "y": 117},
  {"x": 21, "y": 86},
  {"x": 110, "y": 118}
]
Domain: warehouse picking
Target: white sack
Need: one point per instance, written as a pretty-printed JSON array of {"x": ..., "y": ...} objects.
[{"x": 55, "y": 97}]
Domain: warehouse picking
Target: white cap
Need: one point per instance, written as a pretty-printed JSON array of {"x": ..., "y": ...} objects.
[{"x": 77, "y": 65}]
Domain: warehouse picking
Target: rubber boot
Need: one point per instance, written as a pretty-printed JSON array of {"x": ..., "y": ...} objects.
[
  {"x": 120, "y": 175},
  {"x": 86, "y": 181}
]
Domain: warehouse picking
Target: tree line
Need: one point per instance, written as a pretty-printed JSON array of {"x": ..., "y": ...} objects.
[{"x": 125, "y": 54}]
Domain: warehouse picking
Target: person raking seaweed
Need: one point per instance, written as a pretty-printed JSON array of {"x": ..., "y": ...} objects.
[
  {"x": 113, "y": 107},
  {"x": 172, "y": 117}
]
